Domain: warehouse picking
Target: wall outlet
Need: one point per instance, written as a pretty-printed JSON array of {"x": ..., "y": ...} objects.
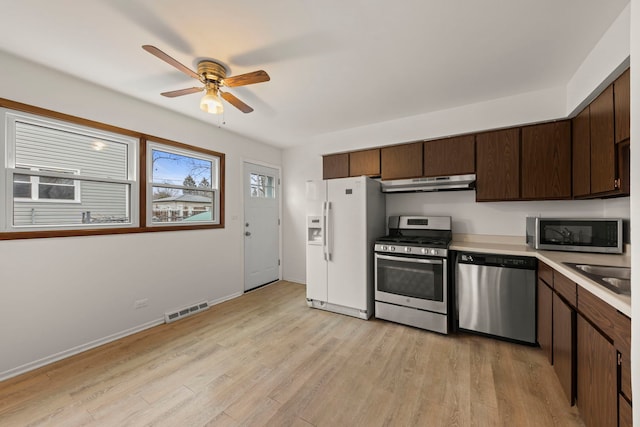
[{"x": 140, "y": 303}]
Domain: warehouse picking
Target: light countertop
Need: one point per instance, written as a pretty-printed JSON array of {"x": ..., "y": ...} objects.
[{"x": 509, "y": 245}]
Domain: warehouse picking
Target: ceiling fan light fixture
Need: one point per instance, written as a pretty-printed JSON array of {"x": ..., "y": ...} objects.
[{"x": 211, "y": 102}]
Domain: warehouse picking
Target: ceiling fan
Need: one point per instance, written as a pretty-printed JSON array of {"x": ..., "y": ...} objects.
[{"x": 212, "y": 75}]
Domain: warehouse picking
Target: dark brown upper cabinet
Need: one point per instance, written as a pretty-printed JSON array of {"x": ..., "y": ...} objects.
[
  {"x": 365, "y": 162},
  {"x": 622, "y": 105},
  {"x": 546, "y": 161},
  {"x": 401, "y": 161},
  {"x": 450, "y": 156},
  {"x": 498, "y": 165},
  {"x": 581, "y": 154},
  {"x": 335, "y": 166},
  {"x": 601, "y": 144},
  {"x": 603, "y": 154}
]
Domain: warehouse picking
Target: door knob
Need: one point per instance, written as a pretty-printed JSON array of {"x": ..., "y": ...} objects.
[{"x": 247, "y": 233}]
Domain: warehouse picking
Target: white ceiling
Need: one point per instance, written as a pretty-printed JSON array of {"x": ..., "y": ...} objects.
[{"x": 334, "y": 64}]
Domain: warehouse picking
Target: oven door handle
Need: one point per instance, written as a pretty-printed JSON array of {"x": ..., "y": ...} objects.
[{"x": 409, "y": 259}]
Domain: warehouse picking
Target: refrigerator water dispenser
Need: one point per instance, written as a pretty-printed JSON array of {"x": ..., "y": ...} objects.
[{"x": 314, "y": 230}]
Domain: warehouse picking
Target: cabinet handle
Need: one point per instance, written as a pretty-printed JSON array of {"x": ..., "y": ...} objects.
[
  {"x": 616, "y": 183},
  {"x": 619, "y": 359}
]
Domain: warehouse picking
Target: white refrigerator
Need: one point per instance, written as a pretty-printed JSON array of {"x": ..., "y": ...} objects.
[{"x": 344, "y": 218}]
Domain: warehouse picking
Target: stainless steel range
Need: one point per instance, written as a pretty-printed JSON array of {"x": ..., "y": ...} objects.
[{"x": 411, "y": 270}]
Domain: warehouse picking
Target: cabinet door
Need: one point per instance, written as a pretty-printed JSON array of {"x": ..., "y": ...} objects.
[
  {"x": 564, "y": 346},
  {"x": 498, "y": 165},
  {"x": 622, "y": 341},
  {"x": 366, "y": 162},
  {"x": 401, "y": 161},
  {"x": 626, "y": 416},
  {"x": 546, "y": 161},
  {"x": 597, "y": 397},
  {"x": 450, "y": 156},
  {"x": 582, "y": 154},
  {"x": 335, "y": 166},
  {"x": 545, "y": 319},
  {"x": 622, "y": 103},
  {"x": 603, "y": 162}
]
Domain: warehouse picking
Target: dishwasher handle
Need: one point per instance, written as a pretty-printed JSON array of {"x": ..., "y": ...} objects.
[{"x": 496, "y": 260}]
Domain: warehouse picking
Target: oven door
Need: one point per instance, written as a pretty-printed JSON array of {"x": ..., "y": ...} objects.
[{"x": 412, "y": 282}]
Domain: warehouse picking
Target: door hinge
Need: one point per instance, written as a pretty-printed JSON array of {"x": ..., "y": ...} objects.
[
  {"x": 278, "y": 262},
  {"x": 278, "y": 221}
]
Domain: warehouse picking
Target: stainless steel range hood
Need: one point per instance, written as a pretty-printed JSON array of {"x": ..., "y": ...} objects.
[{"x": 440, "y": 183}]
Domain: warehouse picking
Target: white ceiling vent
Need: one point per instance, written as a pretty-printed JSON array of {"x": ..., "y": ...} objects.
[{"x": 172, "y": 316}]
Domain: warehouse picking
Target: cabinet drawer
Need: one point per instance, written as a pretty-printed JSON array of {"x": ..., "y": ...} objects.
[
  {"x": 566, "y": 288},
  {"x": 545, "y": 273},
  {"x": 598, "y": 312}
]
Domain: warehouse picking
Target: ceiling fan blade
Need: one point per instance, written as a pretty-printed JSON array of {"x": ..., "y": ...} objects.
[
  {"x": 231, "y": 99},
  {"x": 174, "y": 93},
  {"x": 169, "y": 60},
  {"x": 247, "y": 79}
]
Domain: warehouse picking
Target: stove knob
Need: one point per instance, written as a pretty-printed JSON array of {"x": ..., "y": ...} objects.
[
  {"x": 424, "y": 251},
  {"x": 407, "y": 249},
  {"x": 434, "y": 251},
  {"x": 384, "y": 247}
]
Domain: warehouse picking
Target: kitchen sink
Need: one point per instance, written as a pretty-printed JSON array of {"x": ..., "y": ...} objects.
[
  {"x": 616, "y": 279},
  {"x": 606, "y": 271}
]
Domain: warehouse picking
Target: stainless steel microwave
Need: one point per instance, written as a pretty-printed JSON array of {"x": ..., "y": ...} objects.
[{"x": 603, "y": 235}]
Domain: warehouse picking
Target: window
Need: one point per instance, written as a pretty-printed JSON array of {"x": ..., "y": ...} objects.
[
  {"x": 64, "y": 176},
  {"x": 183, "y": 184},
  {"x": 262, "y": 186},
  {"x": 28, "y": 187}
]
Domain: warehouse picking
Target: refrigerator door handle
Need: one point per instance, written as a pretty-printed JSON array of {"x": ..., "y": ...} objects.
[
  {"x": 329, "y": 232},
  {"x": 324, "y": 230}
]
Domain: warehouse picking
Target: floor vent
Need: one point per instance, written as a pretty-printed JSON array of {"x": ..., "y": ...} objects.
[{"x": 172, "y": 316}]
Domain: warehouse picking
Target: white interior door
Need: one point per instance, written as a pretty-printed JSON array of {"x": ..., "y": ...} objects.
[{"x": 261, "y": 225}]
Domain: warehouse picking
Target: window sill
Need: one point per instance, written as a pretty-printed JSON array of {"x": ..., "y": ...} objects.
[{"x": 16, "y": 235}]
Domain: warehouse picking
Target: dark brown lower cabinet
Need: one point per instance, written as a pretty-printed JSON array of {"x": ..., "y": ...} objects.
[
  {"x": 564, "y": 320},
  {"x": 597, "y": 395},
  {"x": 624, "y": 409},
  {"x": 545, "y": 313}
]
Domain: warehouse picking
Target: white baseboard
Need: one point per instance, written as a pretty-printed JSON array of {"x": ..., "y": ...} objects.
[
  {"x": 93, "y": 344},
  {"x": 76, "y": 350}
]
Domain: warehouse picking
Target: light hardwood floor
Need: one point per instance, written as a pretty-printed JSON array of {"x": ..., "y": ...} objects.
[{"x": 267, "y": 359}]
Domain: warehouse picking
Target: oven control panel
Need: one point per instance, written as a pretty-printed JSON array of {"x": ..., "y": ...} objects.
[{"x": 411, "y": 250}]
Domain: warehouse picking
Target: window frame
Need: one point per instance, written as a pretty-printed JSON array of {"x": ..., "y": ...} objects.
[
  {"x": 192, "y": 152},
  {"x": 138, "y": 191},
  {"x": 8, "y": 128}
]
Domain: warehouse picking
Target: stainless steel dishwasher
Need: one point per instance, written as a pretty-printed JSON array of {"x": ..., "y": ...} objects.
[{"x": 496, "y": 295}]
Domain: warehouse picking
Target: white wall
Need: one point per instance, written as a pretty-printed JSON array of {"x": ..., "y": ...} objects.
[
  {"x": 59, "y": 295},
  {"x": 498, "y": 218},
  {"x": 596, "y": 72},
  {"x": 506, "y": 218},
  {"x": 635, "y": 203}
]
